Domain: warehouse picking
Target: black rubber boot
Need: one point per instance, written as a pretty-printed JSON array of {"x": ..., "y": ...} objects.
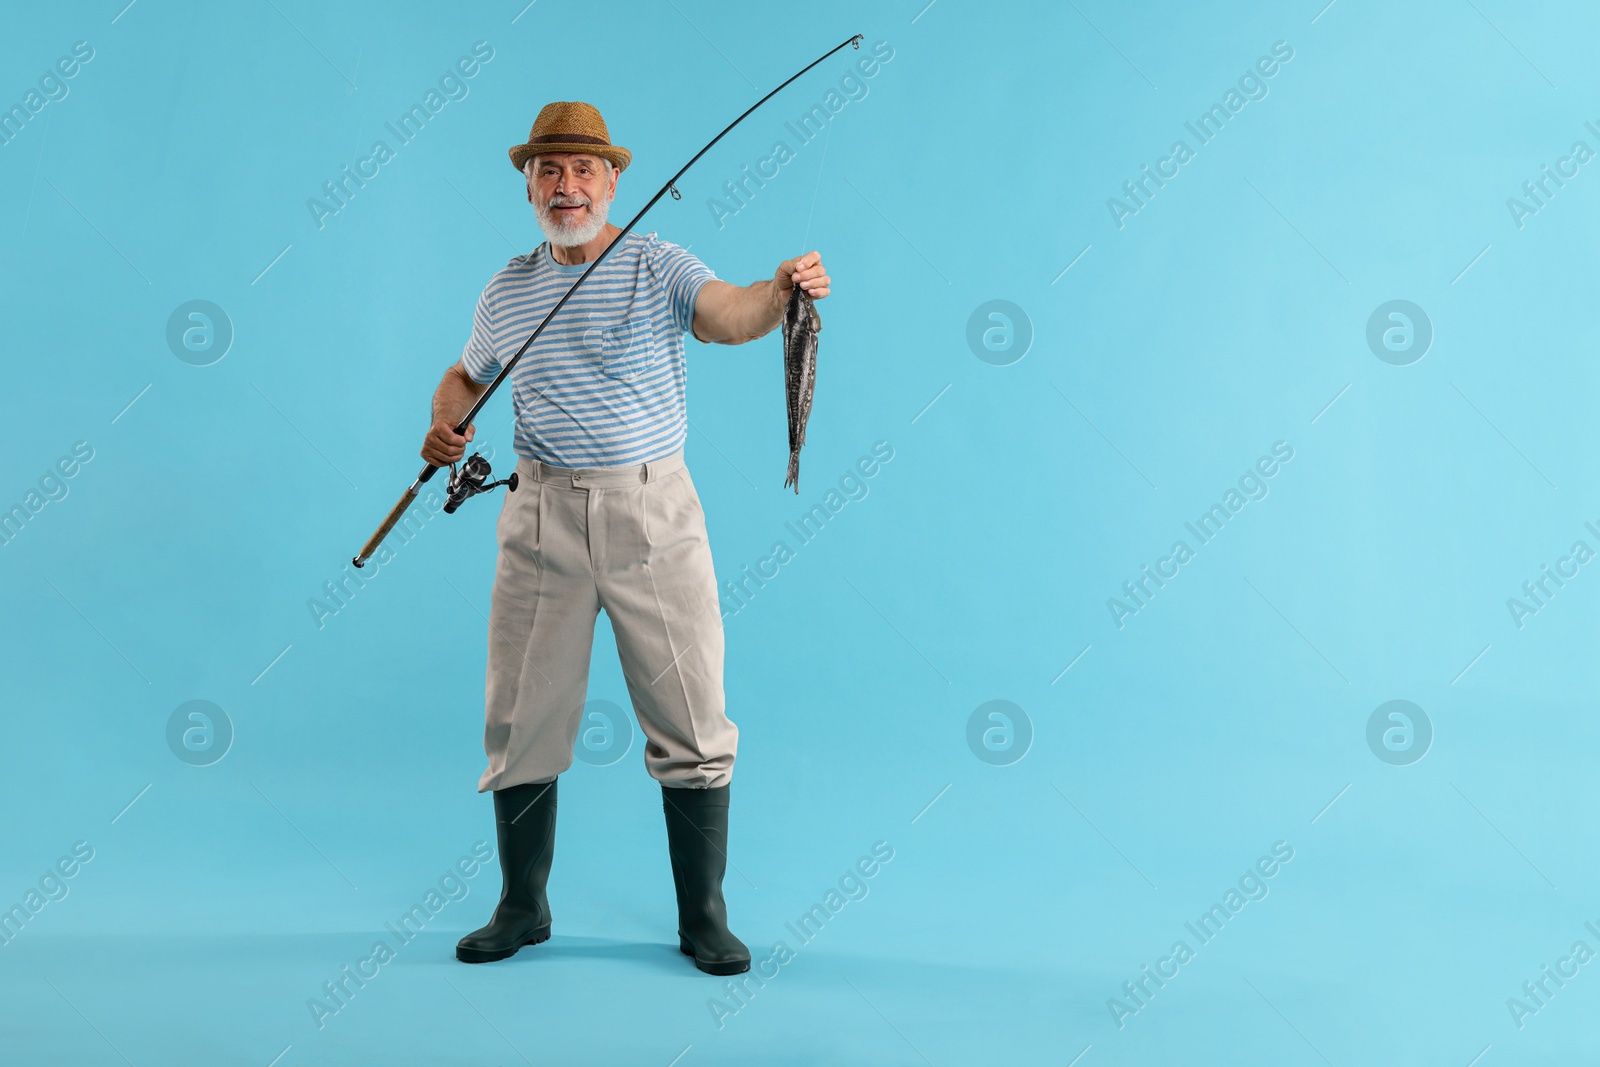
[
  {"x": 525, "y": 826},
  {"x": 697, "y": 838}
]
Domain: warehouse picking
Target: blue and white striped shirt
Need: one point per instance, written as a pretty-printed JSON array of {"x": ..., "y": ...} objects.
[{"x": 606, "y": 383}]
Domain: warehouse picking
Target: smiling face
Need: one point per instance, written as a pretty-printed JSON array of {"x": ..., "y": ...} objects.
[{"x": 571, "y": 194}]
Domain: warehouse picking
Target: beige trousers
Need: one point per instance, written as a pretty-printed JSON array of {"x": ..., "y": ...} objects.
[{"x": 631, "y": 540}]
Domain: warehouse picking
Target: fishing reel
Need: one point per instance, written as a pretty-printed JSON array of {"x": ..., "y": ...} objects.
[{"x": 471, "y": 480}]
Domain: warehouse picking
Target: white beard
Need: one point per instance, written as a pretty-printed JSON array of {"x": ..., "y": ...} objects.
[{"x": 565, "y": 234}]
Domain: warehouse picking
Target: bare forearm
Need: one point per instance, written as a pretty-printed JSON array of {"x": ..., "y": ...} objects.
[
  {"x": 451, "y": 402},
  {"x": 731, "y": 315},
  {"x": 455, "y": 396},
  {"x": 752, "y": 311}
]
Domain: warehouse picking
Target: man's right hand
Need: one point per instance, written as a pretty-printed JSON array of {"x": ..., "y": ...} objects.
[{"x": 443, "y": 446}]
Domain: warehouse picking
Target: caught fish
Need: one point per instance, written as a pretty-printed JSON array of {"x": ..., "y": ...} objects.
[{"x": 800, "y": 325}]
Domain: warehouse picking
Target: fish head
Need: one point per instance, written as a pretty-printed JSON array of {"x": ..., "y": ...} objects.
[{"x": 801, "y": 312}]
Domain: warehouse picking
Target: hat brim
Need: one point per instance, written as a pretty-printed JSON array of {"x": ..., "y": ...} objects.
[{"x": 619, "y": 157}]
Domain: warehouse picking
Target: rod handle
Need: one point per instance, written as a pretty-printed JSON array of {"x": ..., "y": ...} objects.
[{"x": 388, "y": 524}]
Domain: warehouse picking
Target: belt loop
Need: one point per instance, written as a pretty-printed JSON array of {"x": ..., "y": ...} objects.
[{"x": 647, "y": 471}]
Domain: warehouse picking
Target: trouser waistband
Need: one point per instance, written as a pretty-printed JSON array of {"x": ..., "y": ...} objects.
[{"x": 600, "y": 477}]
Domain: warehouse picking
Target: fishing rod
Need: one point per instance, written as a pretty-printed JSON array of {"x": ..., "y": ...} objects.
[{"x": 474, "y": 474}]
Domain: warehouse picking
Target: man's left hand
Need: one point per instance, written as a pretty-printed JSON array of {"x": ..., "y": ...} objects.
[{"x": 805, "y": 271}]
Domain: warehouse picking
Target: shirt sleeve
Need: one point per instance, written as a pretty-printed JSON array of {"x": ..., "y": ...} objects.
[
  {"x": 479, "y": 356},
  {"x": 681, "y": 275}
]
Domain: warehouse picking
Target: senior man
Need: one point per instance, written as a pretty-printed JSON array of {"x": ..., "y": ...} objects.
[{"x": 606, "y": 516}]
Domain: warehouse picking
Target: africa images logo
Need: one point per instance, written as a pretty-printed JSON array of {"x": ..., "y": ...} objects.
[
  {"x": 1252, "y": 85},
  {"x": 453, "y": 85}
]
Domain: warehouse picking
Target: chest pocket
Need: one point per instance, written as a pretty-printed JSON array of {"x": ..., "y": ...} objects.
[{"x": 626, "y": 347}]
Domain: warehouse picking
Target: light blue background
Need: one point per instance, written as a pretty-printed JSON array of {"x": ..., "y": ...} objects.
[{"x": 1228, "y": 314}]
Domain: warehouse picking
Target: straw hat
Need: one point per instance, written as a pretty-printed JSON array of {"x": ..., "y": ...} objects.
[{"x": 570, "y": 126}]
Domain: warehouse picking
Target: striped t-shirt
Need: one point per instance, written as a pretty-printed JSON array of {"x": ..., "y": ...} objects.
[{"x": 606, "y": 383}]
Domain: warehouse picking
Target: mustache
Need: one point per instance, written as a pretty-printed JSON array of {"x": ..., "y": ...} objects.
[{"x": 567, "y": 201}]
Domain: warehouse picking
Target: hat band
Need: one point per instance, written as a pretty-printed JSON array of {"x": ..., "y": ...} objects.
[{"x": 568, "y": 138}]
